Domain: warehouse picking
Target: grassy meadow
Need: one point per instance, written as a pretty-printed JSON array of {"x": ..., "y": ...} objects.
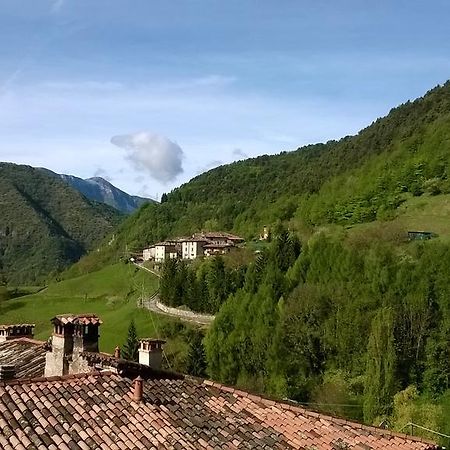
[{"x": 111, "y": 293}]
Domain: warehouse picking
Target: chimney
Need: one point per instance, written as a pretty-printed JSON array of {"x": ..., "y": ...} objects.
[
  {"x": 117, "y": 352},
  {"x": 8, "y": 332},
  {"x": 138, "y": 389},
  {"x": 7, "y": 372},
  {"x": 72, "y": 335},
  {"x": 150, "y": 352}
]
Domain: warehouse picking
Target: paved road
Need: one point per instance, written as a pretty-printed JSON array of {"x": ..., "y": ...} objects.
[{"x": 141, "y": 266}]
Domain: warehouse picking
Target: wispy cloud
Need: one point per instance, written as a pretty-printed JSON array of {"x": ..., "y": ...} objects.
[
  {"x": 103, "y": 174},
  {"x": 56, "y": 6},
  {"x": 238, "y": 153}
]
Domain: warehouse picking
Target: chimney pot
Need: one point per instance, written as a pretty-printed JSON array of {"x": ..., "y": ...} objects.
[
  {"x": 138, "y": 389},
  {"x": 117, "y": 352},
  {"x": 7, "y": 372}
]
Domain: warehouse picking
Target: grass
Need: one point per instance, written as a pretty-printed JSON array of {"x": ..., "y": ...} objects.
[
  {"x": 111, "y": 293},
  {"x": 424, "y": 213}
]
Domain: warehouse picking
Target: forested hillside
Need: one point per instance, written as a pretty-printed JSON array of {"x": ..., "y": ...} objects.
[
  {"x": 357, "y": 179},
  {"x": 45, "y": 225},
  {"x": 354, "y": 319},
  {"x": 357, "y": 330}
]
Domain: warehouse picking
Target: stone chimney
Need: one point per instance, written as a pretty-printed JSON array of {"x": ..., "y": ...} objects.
[
  {"x": 150, "y": 352},
  {"x": 8, "y": 332},
  {"x": 138, "y": 389},
  {"x": 72, "y": 335},
  {"x": 7, "y": 372}
]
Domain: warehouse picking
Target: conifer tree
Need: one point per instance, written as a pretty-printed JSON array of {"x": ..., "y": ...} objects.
[
  {"x": 380, "y": 378},
  {"x": 130, "y": 348},
  {"x": 196, "y": 358}
]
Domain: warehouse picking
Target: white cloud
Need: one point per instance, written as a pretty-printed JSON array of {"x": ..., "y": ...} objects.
[{"x": 155, "y": 154}]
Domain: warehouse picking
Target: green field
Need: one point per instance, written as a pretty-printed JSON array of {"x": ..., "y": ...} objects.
[
  {"x": 424, "y": 213},
  {"x": 111, "y": 293}
]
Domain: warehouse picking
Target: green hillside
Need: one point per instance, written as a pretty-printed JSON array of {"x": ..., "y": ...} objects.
[
  {"x": 354, "y": 180},
  {"x": 45, "y": 225},
  {"x": 111, "y": 293},
  {"x": 355, "y": 320}
]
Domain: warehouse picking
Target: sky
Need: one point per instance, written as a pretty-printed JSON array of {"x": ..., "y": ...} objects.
[{"x": 150, "y": 93}]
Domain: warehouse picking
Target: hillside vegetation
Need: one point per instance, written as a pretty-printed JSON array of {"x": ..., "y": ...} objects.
[
  {"x": 358, "y": 328},
  {"x": 354, "y": 180},
  {"x": 45, "y": 225},
  {"x": 355, "y": 320}
]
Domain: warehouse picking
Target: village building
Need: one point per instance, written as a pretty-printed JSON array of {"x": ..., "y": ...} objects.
[
  {"x": 265, "y": 234},
  {"x": 217, "y": 249},
  {"x": 148, "y": 253},
  {"x": 196, "y": 246},
  {"x": 93, "y": 400},
  {"x": 166, "y": 250},
  {"x": 219, "y": 238},
  {"x": 193, "y": 248}
]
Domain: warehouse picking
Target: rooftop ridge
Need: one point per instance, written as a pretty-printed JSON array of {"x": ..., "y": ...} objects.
[
  {"x": 291, "y": 405},
  {"x": 7, "y": 325},
  {"x": 73, "y": 376},
  {"x": 29, "y": 340},
  {"x": 127, "y": 368}
]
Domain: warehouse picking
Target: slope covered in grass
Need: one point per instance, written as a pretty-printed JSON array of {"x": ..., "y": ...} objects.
[{"x": 111, "y": 293}]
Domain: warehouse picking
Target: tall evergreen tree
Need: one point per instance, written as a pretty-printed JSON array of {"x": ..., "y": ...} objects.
[
  {"x": 196, "y": 358},
  {"x": 130, "y": 348},
  {"x": 379, "y": 388}
]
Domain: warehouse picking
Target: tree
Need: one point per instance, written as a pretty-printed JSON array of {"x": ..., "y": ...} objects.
[
  {"x": 4, "y": 293},
  {"x": 130, "y": 348},
  {"x": 196, "y": 358},
  {"x": 164, "y": 198},
  {"x": 380, "y": 381}
]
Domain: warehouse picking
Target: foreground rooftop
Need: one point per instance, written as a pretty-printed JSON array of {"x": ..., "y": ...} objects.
[{"x": 97, "y": 411}]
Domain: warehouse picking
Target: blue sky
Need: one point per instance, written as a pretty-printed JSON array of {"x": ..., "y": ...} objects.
[{"x": 151, "y": 93}]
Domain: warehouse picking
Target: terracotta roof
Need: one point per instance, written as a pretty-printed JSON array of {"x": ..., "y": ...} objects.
[
  {"x": 17, "y": 325},
  {"x": 126, "y": 368},
  {"x": 166, "y": 244},
  {"x": 218, "y": 245},
  {"x": 195, "y": 239},
  {"x": 27, "y": 355},
  {"x": 218, "y": 235},
  {"x": 78, "y": 319},
  {"x": 96, "y": 411}
]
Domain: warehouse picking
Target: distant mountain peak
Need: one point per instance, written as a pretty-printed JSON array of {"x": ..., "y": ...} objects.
[{"x": 101, "y": 190}]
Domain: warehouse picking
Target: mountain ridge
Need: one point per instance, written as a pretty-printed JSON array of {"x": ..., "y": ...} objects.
[
  {"x": 101, "y": 190},
  {"x": 45, "y": 224}
]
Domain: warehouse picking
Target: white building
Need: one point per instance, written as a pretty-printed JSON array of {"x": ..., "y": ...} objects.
[
  {"x": 192, "y": 248},
  {"x": 148, "y": 253},
  {"x": 165, "y": 250}
]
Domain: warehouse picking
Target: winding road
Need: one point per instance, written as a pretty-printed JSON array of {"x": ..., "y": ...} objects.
[{"x": 155, "y": 305}]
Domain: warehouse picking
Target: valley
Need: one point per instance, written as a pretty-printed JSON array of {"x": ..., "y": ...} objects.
[{"x": 342, "y": 306}]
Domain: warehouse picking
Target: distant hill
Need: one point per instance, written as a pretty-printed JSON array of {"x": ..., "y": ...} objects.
[
  {"x": 354, "y": 180},
  {"x": 101, "y": 190},
  {"x": 45, "y": 225}
]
